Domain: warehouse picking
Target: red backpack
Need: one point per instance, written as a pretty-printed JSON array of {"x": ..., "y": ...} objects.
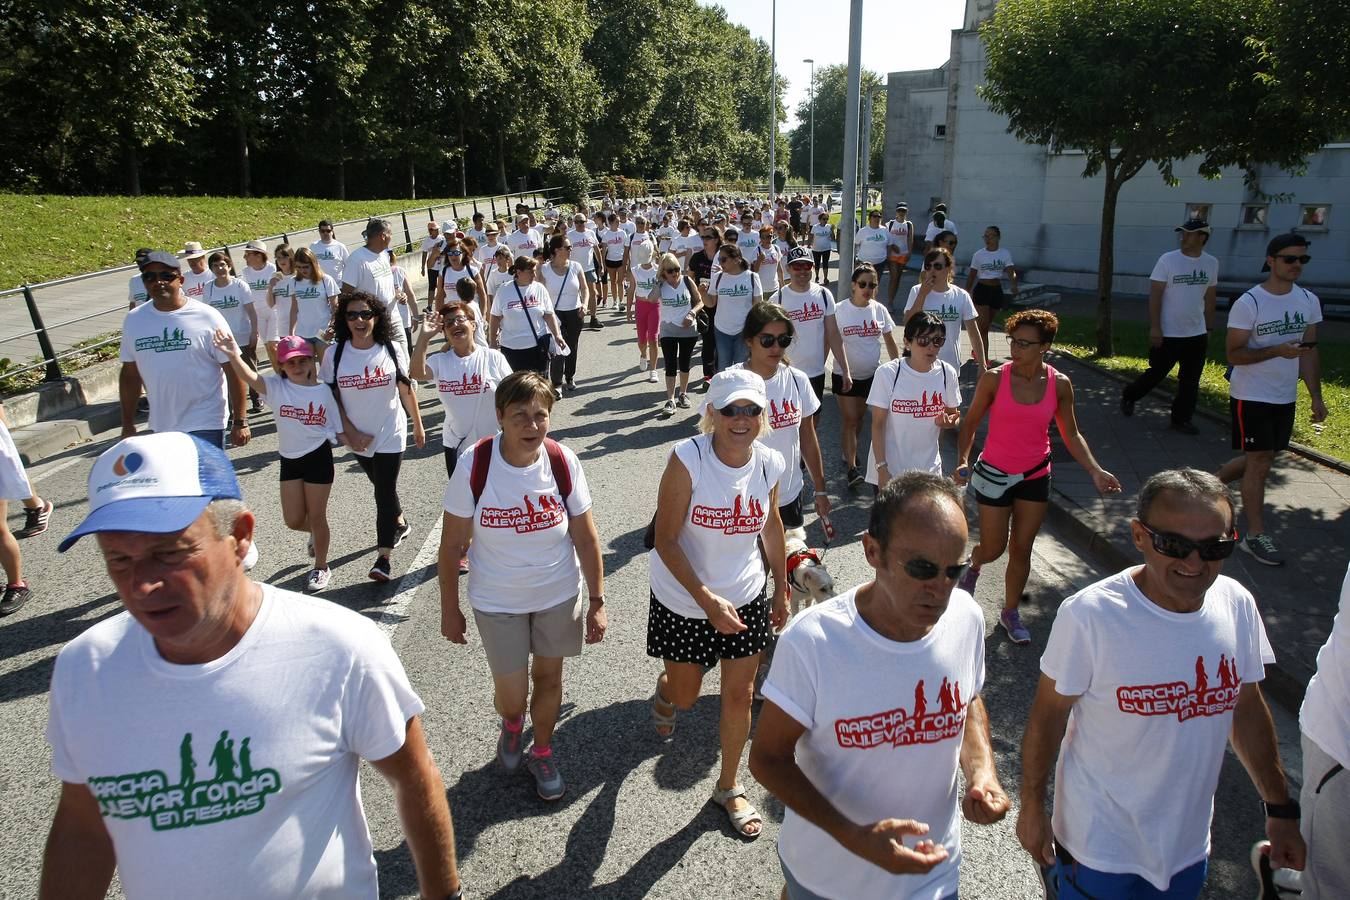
[{"x": 482, "y": 458}]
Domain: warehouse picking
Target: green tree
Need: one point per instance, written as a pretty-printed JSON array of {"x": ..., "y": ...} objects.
[
  {"x": 1132, "y": 82},
  {"x": 831, "y": 91}
]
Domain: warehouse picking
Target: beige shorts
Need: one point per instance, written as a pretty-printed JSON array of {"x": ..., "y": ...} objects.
[{"x": 510, "y": 638}]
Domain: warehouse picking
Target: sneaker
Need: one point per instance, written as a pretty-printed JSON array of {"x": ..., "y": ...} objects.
[
  {"x": 705, "y": 384},
  {"x": 309, "y": 546},
  {"x": 251, "y": 556},
  {"x": 967, "y": 582},
  {"x": 569, "y": 386},
  {"x": 1126, "y": 406},
  {"x": 669, "y": 408},
  {"x": 464, "y": 565},
  {"x": 16, "y": 595},
  {"x": 318, "y": 580},
  {"x": 642, "y": 363},
  {"x": 1011, "y": 621},
  {"x": 403, "y": 531},
  {"x": 380, "y": 571},
  {"x": 651, "y": 376},
  {"x": 35, "y": 521},
  {"x": 595, "y": 324},
  {"x": 254, "y": 407},
  {"x": 548, "y": 781},
  {"x": 1275, "y": 883},
  {"x": 1262, "y": 548},
  {"x": 557, "y": 393},
  {"x": 511, "y": 746},
  {"x": 855, "y": 476},
  {"x": 1185, "y": 428},
  {"x": 683, "y": 401}
]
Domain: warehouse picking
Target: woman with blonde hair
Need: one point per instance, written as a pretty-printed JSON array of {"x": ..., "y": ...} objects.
[{"x": 313, "y": 294}]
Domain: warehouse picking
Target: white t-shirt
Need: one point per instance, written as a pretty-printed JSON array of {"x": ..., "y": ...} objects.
[
  {"x": 257, "y": 281},
  {"x": 583, "y": 248},
  {"x": 748, "y": 241},
  {"x": 641, "y": 248},
  {"x": 871, "y": 244},
  {"x": 691, "y": 243},
  {"x": 1155, "y": 697},
  {"x": 902, "y": 234},
  {"x": 495, "y": 279},
  {"x": 306, "y": 415},
  {"x": 992, "y": 264},
  {"x": 400, "y": 300},
  {"x": 484, "y": 253},
  {"x": 452, "y": 277},
  {"x": 615, "y": 240},
  {"x": 1186, "y": 279},
  {"x": 522, "y": 559},
  {"x": 226, "y": 782},
  {"x": 769, "y": 258},
  {"x": 954, "y": 307},
  {"x": 735, "y": 295},
  {"x": 822, "y": 238},
  {"x": 523, "y": 243},
  {"x": 519, "y": 310},
  {"x": 861, "y": 327},
  {"x": 194, "y": 283},
  {"x": 913, "y": 401},
  {"x": 665, "y": 237},
  {"x": 645, "y": 278},
  {"x": 478, "y": 235},
  {"x": 311, "y": 301},
  {"x": 1325, "y": 714},
  {"x": 369, "y": 271},
  {"x": 790, "y": 399},
  {"x": 174, "y": 353},
  {"x": 933, "y": 231},
  {"x": 628, "y": 227},
  {"x": 136, "y": 292},
  {"x": 871, "y": 705},
  {"x": 231, "y": 301},
  {"x": 332, "y": 256},
  {"x": 467, "y": 386},
  {"x": 367, "y": 384},
  {"x": 676, "y": 303},
  {"x": 727, "y": 511},
  {"x": 1272, "y": 319},
  {"x": 436, "y": 243},
  {"x": 565, "y": 288},
  {"x": 808, "y": 312}
]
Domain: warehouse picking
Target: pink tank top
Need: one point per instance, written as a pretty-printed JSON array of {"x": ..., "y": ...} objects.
[{"x": 1019, "y": 433}]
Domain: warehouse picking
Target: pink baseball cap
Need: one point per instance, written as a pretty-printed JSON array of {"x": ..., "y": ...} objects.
[{"x": 293, "y": 345}]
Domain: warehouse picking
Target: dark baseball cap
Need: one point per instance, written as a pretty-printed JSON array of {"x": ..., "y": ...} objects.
[
  {"x": 1196, "y": 224},
  {"x": 1283, "y": 242}
]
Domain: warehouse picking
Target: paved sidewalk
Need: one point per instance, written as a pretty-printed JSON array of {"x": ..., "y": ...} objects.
[{"x": 1306, "y": 508}]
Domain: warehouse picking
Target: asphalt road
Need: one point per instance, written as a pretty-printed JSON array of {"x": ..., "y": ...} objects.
[{"x": 635, "y": 821}]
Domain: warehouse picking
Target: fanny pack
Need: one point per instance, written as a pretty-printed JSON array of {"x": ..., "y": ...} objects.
[{"x": 991, "y": 482}]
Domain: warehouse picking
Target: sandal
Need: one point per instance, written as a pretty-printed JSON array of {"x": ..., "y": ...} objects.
[
  {"x": 662, "y": 720},
  {"x": 740, "y": 818}
]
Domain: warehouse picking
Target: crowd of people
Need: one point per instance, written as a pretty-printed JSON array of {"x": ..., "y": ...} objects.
[{"x": 498, "y": 337}]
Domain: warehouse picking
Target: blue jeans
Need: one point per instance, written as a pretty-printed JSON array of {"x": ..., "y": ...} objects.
[
  {"x": 730, "y": 349},
  {"x": 213, "y": 436},
  {"x": 1078, "y": 882}
]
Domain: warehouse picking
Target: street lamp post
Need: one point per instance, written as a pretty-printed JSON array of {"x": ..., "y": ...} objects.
[
  {"x": 773, "y": 96},
  {"x": 813, "y": 123}
]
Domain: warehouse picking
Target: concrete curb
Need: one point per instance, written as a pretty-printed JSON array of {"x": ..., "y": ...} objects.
[{"x": 60, "y": 415}]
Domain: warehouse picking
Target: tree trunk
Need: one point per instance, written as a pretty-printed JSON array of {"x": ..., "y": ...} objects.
[
  {"x": 501, "y": 162},
  {"x": 131, "y": 164},
  {"x": 1106, "y": 258},
  {"x": 241, "y": 149},
  {"x": 412, "y": 178},
  {"x": 463, "y": 155}
]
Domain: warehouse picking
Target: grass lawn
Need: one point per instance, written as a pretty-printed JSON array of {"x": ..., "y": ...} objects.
[
  {"x": 834, "y": 217},
  {"x": 1078, "y": 336},
  {"x": 54, "y": 236}
]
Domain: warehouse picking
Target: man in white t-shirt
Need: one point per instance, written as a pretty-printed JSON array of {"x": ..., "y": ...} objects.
[
  {"x": 136, "y": 292},
  {"x": 1181, "y": 296},
  {"x": 524, "y": 240},
  {"x": 885, "y": 678},
  {"x": 815, "y": 330},
  {"x": 1272, "y": 344},
  {"x": 197, "y": 276},
  {"x": 167, "y": 348},
  {"x": 330, "y": 252},
  {"x": 936, "y": 225},
  {"x": 367, "y": 269},
  {"x": 1158, "y": 666},
  {"x": 224, "y": 786},
  {"x": 432, "y": 247}
]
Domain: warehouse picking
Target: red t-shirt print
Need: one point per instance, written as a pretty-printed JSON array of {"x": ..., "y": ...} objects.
[
  {"x": 467, "y": 386},
  {"x": 929, "y": 406},
  {"x": 370, "y": 378},
  {"x": 310, "y": 415},
  {"x": 899, "y": 728},
  {"x": 808, "y": 313},
  {"x": 741, "y": 518},
  {"x": 530, "y": 516},
  {"x": 1181, "y": 699},
  {"x": 785, "y": 416},
  {"x": 868, "y": 329}
]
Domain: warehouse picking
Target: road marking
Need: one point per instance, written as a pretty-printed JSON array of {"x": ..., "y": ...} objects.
[
  {"x": 394, "y": 613},
  {"x": 61, "y": 467}
]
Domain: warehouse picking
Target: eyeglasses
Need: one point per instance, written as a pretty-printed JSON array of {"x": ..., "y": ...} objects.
[
  {"x": 458, "y": 319},
  {"x": 768, "y": 340},
  {"x": 936, "y": 340},
  {"x": 455, "y": 252},
  {"x": 354, "y": 314},
  {"x": 1023, "y": 345},
  {"x": 1177, "y": 547},
  {"x": 936, "y": 267},
  {"x": 921, "y": 569},
  {"x": 152, "y": 277},
  {"x": 750, "y": 412},
  {"x": 1290, "y": 259},
  {"x": 325, "y": 231},
  {"x": 866, "y": 285}
]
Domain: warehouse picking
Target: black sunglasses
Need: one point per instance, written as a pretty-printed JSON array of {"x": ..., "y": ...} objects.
[
  {"x": 152, "y": 277},
  {"x": 750, "y": 412},
  {"x": 866, "y": 285},
  {"x": 768, "y": 340},
  {"x": 935, "y": 265},
  {"x": 1177, "y": 547},
  {"x": 354, "y": 314},
  {"x": 921, "y": 569},
  {"x": 1291, "y": 259},
  {"x": 936, "y": 340}
]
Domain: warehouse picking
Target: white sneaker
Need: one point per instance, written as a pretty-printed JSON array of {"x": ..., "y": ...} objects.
[
  {"x": 318, "y": 580},
  {"x": 642, "y": 363},
  {"x": 651, "y": 376},
  {"x": 669, "y": 408},
  {"x": 251, "y": 556}
]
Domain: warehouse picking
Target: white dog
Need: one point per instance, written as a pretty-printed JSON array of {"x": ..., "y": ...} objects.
[{"x": 810, "y": 582}]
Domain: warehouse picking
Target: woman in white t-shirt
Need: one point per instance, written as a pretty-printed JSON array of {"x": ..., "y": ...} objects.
[
  {"x": 643, "y": 281},
  {"x": 522, "y": 318},
  {"x": 912, "y": 400},
  {"x": 732, "y": 290},
  {"x": 822, "y": 241},
  {"x": 935, "y": 292},
  {"x": 279, "y": 286},
  {"x": 404, "y": 297},
  {"x": 571, "y": 292},
  {"x": 368, "y": 370},
  {"x": 304, "y": 412},
  {"x": 257, "y": 274},
  {"x": 770, "y": 261},
  {"x": 232, "y": 298},
  {"x": 709, "y": 599},
  {"x": 864, "y": 325},
  {"x": 519, "y": 506},
  {"x": 498, "y": 274},
  {"x": 313, "y": 298},
  {"x": 677, "y": 331},
  {"x": 456, "y": 267}
]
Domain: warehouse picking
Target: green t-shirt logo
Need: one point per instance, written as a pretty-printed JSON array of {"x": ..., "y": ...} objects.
[
  {"x": 168, "y": 342},
  {"x": 1294, "y": 324},
  {"x": 235, "y": 788}
]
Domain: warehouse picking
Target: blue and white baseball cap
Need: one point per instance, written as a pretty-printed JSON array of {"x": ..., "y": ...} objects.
[{"x": 155, "y": 483}]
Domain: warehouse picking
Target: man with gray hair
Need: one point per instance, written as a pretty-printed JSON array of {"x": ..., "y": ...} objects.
[
  {"x": 1158, "y": 666},
  {"x": 213, "y": 698},
  {"x": 367, "y": 269}
]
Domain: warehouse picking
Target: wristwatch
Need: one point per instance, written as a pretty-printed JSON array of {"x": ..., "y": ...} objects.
[
  {"x": 239, "y": 423},
  {"x": 1288, "y": 810}
]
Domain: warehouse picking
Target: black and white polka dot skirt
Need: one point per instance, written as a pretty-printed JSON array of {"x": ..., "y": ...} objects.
[{"x": 673, "y": 637}]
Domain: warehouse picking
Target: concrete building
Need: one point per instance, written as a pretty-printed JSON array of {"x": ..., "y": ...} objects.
[{"x": 943, "y": 143}]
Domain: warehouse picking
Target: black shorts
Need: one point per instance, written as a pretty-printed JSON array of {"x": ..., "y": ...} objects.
[
  {"x": 1037, "y": 490},
  {"x": 315, "y": 467},
  {"x": 861, "y": 386},
  {"x": 990, "y": 295},
  {"x": 1261, "y": 426},
  {"x": 672, "y": 637},
  {"x": 613, "y": 263},
  {"x": 818, "y": 387},
  {"x": 791, "y": 514}
]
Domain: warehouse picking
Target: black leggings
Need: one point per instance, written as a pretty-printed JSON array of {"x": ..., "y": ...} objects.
[
  {"x": 706, "y": 331},
  {"x": 564, "y": 368},
  {"x": 382, "y": 470},
  {"x": 531, "y": 359},
  {"x": 451, "y": 458},
  {"x": 681, "y": 346}
]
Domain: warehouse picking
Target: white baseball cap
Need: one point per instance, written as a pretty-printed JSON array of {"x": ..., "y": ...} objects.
[{"x": 731, "y": 385}]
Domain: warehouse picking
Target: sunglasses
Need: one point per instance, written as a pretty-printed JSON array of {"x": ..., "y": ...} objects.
[
  {"x": 152, "y": 277},
  {"x": 750, "y": 412},
  {"x": 921, "y": 569},
  {"x": 1175, "y": 546},
  {"x": 936, "y": 340},
  {"x": 866, "y": 285},
  {"x": 1291, "y": 259},
  {"x": 935, "y": 266},
  {"x": 768, "y": 340},
  {"x": 1023, "y": 345},
  {"x": 459, "y": 319},
  {"x": 354, "y": 314},
  {"x": 670, "y": 271},
  {"x": 325, "y": 231},
  {"x": 455, "y": 252}
]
